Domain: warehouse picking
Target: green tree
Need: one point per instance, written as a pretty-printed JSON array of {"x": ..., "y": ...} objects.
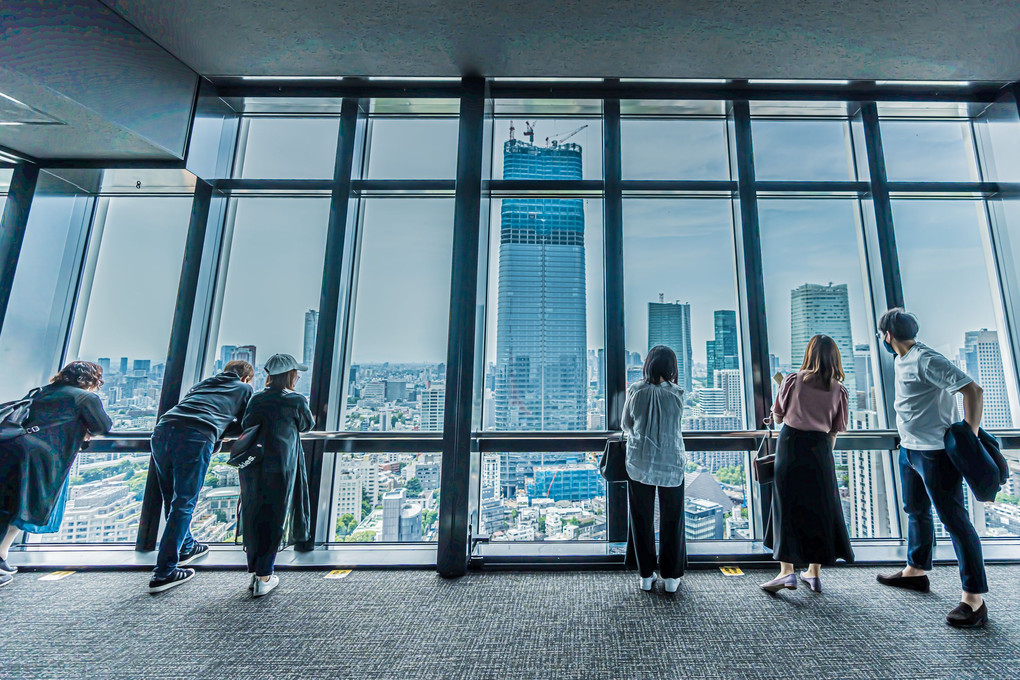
[
  {"x": 366, "y": 504},
  {"x": 541, "y": 524},
  {"x": 345, "y": 524},
  {"x": 361, "y": 537},
  {"x": 221, "y": 516},
  {"x": 414, "y": 487},
  {"x": 136, "y": 485},
  {"x": 211, "y": 481},
  {"x": 1003, "y": 497},
  {"x": 733, "y": 475}
]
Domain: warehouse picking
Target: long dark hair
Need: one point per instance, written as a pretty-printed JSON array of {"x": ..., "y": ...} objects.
[
  {"x": 822, "y": 360},
  {"x": 83, "y": 374},
  {"x": 660, "y": 365}
]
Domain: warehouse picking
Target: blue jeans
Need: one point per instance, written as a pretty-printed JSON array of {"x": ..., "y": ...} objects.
[
  {"x": 182, "y": 456},
  {"x": 930, "y": 478}
]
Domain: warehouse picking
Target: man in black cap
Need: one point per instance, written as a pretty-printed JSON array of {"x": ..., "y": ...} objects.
[{"x": 182, "y": 446}]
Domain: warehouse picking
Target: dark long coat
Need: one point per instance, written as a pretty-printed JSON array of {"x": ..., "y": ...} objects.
[
  {"x": 276, "y": 489},
  {"x": 33, "y": 467}
]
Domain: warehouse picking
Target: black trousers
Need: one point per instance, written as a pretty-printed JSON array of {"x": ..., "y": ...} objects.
[{"x": 672, "y": 546}]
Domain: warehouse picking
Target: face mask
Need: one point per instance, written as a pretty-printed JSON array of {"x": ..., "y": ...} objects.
[{"x": 889, "y": 348}]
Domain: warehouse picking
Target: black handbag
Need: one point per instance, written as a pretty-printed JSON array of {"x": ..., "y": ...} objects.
[
  {"x": 765, "y": 465},
  {"x": 613, "y": 466},
  {"x": 247, "y": 449}
]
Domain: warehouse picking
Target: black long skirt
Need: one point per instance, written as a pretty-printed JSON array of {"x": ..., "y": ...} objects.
[{"x": 807, "y": 525}]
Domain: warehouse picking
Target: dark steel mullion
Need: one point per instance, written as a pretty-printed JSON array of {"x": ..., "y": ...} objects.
[
  {"x": 177, "y": 354},
  {"x": 752, "y": 284},
  {"x": 616, "y": 350},
  {"x": 324, "y": 355},
  {"x": 453, "y": 547},
  {"x": 12, "y": 228},
  {"x": 892, "y": 283},
  {"x": 754, "y": 278}
]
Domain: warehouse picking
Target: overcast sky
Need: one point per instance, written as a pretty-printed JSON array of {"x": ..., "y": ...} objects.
[{"x": 682, "y": 248}]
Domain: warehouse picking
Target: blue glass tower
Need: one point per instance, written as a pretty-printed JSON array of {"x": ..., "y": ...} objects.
[{"x": 541, "y": 330}]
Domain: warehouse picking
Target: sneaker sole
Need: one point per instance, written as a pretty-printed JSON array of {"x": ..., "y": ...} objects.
[
  {"x": 184, "y": 563},
  {"x": 10, "y": 572},
  {"x": 6, "y": 583},
  {"x": 168, "y": 586}
]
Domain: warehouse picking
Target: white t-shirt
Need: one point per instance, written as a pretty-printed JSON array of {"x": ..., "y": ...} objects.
[{"x": 925, "y": 384}]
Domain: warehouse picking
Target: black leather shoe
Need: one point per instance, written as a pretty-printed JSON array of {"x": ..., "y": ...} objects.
[
  {"x": 919, "y": 583},
  {"x": 965, "y": 617}
]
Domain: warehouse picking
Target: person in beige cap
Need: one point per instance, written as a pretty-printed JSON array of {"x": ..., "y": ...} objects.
[{"x": 276, "y": 484}]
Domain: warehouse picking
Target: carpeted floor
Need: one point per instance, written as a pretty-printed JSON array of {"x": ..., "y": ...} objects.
[{"x": 413, "y": 624}]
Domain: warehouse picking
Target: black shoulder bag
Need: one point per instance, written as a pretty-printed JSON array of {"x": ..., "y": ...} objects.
[
  {"x": 765, "y": 465},
  {"x": 247, "y": 449},
  {"x": 613, "y": 466}
]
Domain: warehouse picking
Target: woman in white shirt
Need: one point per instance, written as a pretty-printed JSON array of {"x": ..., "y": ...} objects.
[{"x": 655, "y": 464}]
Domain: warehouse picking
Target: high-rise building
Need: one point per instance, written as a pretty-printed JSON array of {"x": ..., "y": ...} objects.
[
  {"x": 123, "y": 365},
  {"x": 432, "y": 406},
  {"x": 104, "y": 363},
  {"x": 141, "y": 367},
  {"x": 712, "y": 401},
  {"x": 821, "y": 309},
  {"x": 541, "y": 327},
  {"x": 722, "y": 350},
  {"x": 981, "y": 358},
  {"x": 570, "y": 482},
  {"x": 729, "y": 382},
  {"x": 243, "y": 353},
  {"x": 348, "y": 488},
  {"x": 703, "y": 520},
  {"x": 863, "y": 379},
  {"x": 226, "y": 351},
  {"x": 392, "y": 502},
  {"x": 669, "y": 323},
  {"x": 311, "y": 328},
  {"x": 490, "y": 475}
]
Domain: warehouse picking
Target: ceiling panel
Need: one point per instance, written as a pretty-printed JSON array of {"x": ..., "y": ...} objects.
[{"x": 862, "y": 39}]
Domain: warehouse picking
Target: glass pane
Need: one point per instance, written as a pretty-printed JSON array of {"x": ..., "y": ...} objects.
[
  {"x": 5, "y": 179},
  {"x": 290, "y": 148},
  {"x": 680, "y": 290},
  {"x": 386, "y": 497},
  {"x": 715, "y": 496},
  {"x": 34, "y": 330},
  {"x": 998, "y": 140},
  {"x": 813, "y": 284},
  {"x": 937, "y": 237},
  {"x": 547, "y": 148},
  {"x": 864, "y": 479},
  {"x": 397, "y": 378},
  {"x": 273, "y": 282},
  {"x": 929, "y": 151},
  {"x": 131, "y": 305},
  {"x": 542, "y": 497},
  {"x": 817, "y": 150},
  {"x": 675, "y": 149},
  {"x": 1002, "y": 518},
  {"x": 405, "y": 148},
  {"x": 545, "y": 337}
]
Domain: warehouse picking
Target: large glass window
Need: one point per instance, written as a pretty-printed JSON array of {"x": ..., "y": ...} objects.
[
  {"x": 35, "y": 327},
  {"x": 929, "y": 151},
  {"x": 545, "y": 323},
  {"x": 126, "y": 308},
  {"x": 386, "y": 497},
  {"x": 397, "y": 377},
  {"x": 413, "y": 148},
  {"x": 529, "y": 147},
  {"x": 818, "y": 150},
  {"x": 675, "y": 149},
  {"x": 814, "y": 267},
  {"x": 272, "y": 283},
  {"x": 950, "y": 283},
  {"x": 680, "y": 290},
  {"x": 553, "y": 496},
  {"x": 288, "y": 148}
]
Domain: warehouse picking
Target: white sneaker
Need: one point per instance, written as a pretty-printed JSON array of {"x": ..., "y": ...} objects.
[
  {"x": 671, "y": 584},
  {"x": 263, "y": 587},
  {"x": 646, "y": 583}
]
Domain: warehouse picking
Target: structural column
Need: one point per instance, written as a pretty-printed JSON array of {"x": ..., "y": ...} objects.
[
  {"x": 453, "y": 548},
  {"x": 326, "y": 352},
  {"x": 616, "y": 355}
]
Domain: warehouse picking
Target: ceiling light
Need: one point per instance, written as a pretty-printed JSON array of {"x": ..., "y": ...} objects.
[
  {"x": 285, "y": 78},
  {"x": 681, "y": 81},
  {"x": 781, "y": 81},
  {"x": 925, "y": 83}
]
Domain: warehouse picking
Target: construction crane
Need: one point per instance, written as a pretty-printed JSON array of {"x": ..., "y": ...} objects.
[
  {"x": 512, "y": 128},
  {"x": 529, "y": 131},
  {"x": 562, "y": 138}
]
